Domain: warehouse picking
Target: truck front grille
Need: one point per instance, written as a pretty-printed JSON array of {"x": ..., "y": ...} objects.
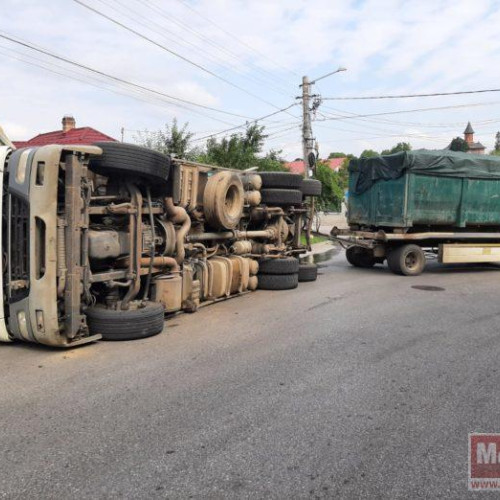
[{"x": 19, "y": 247}]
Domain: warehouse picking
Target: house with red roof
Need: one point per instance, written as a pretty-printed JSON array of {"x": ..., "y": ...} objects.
[
  {"x": 297, "y": 166},
  {"x": 69, "y": 134}
]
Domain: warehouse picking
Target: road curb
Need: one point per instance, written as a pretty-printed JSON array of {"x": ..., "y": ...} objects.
[{"x": 320, "y": 252}]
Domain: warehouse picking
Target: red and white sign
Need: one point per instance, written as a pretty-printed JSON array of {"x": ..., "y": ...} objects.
[{"x": 484, "y": 461}]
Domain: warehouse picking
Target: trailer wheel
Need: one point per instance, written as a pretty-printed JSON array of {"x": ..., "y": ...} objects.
[
  {"x": 360, "y": 257},
  {"x": 407, "y": 260}
]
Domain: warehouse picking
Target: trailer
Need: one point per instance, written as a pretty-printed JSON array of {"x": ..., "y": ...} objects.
[{"x": 405, "y": 206}]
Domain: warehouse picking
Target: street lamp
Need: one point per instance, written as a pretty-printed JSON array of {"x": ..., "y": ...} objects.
[{"x": 338, "y": 70}]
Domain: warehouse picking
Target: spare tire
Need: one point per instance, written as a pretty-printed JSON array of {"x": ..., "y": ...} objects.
[
  {"x": 287, "y": 265},
  {"x": 281, "y": 196},
  {"x": 119, "y": 158},
  {"x": 223, "y": 200},
  {"x": 280, "y": 180},
  {"x": 278, "y": 281},
  {"x": 311, "y": 187},
  {"x": 115, "y": 324}
]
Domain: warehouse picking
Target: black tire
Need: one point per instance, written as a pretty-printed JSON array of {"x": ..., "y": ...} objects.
[
  {"x": 288, "y": 265},
  {"x": 281, "y": 196},
  {"x": 119, "y": 158},
  {"x": 308, "y": 272},
  {"x": 311, "y": 187},
  {"x": 406, "y": 260},
  {"x": 360, "y": 257},
  {"x": 133, "y": 324},
  {"x": 278, "y": 281},
  {"x": 282, "y": 180}
]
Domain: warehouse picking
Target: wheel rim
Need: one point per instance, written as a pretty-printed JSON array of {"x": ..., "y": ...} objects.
[{"x": 411, "y": 261}]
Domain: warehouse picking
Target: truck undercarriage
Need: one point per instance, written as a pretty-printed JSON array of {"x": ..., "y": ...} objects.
[{"x": 102, "y": 241}]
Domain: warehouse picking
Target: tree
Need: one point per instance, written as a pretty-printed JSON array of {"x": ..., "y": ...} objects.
[
  {"x": 173, "y": 140},
  {"x": 459, "y": 144},
  {"x": 496, "y": 150},
  {"x": 336, "y": 155},
  {"x": 271, "y": 162},
  {"x": 399, "y": 147},
  {"x": 343, "y": 172},
  {"x": 369, "y": 153},
  {"x": 236, "y": 151},
  {"x": 332, "y": 190}
]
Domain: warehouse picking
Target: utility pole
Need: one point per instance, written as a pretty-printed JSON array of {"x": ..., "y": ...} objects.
[
  {"x": 123, "y": 133},
  {"x": 307, "y": 135},
  {"x": 309, "y": 155}
]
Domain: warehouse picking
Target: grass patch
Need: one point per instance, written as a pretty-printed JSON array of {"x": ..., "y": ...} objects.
[{"x": 315, "y": 238}]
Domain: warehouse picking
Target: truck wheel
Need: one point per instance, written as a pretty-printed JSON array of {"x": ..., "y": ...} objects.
[
  {"x": 408, "y": 260},
  {"x": 119, "y": 158},
  {"x": 278, "y": 281},
  {"x": 360, "y": 257},
  {"x": 311, "y": 187},
  {"x": 308, "y": 272},
  {"x": 281, "y": 196},
  {"x": 115, "y": 324},
  {"x": 282, "y": 180},
  {"x": 223, "y": 200},
  {"x": 288, "y": 265}
]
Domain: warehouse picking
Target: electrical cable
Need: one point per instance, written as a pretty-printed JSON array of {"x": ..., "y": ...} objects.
[
  {"x": 177, "y": 39},
  {"x": 410, "y": 111},
  {"x": 112, "y": 77},
  {"x": 246, "y": 124},
  {"x": 205, "y": 39},
  {"x": 185, "y": 4},
  {"x": 405, "y": 96},
  {"x": 172, "y": 52}
]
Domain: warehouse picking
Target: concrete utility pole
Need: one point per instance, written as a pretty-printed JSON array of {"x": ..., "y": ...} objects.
[{"x": 307, "y": 135}]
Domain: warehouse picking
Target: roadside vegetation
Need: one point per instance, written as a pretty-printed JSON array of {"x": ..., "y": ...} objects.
[{"x": 243, "y": 150}]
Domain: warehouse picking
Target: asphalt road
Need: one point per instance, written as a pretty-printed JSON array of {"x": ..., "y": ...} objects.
[{"x": 356, "y": 386}]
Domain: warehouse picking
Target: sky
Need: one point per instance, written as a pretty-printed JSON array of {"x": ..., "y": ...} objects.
[{"x": 245, "y": 60}]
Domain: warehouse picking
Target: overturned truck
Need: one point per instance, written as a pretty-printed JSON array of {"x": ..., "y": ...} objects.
[{"x": 102, "y": 241}]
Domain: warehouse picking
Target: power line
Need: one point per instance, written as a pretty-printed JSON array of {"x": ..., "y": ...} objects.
[
  {"x": 246, "y": 123},
  {"x": 208, "y": 40},
  {"x": 112, "y": 77},
  {"x": 413, "y": 124},
  {"x": 404, "y": 96},
  {"x": 185, "y": 4},
  {"x": 150, "y": 24},
  {"x": 170, "y": 51},
  {"x": 279, "y": 132},
  {"x": 407, "y": 111},
  {"x": 93, "y": 81}
]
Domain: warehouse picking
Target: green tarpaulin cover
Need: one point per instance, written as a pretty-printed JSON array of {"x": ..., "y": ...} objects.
[{"x": 441, "y": 163}]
